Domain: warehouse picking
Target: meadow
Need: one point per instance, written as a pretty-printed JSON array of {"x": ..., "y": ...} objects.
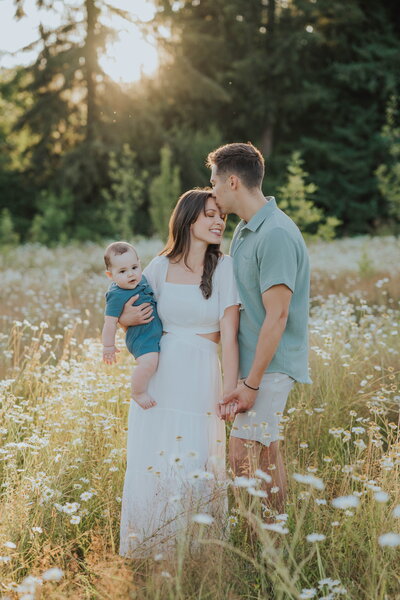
[{"x": 63, "y": 418}]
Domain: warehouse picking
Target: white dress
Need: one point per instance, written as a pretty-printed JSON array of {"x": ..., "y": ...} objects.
[{"x": 176, "y": 450}]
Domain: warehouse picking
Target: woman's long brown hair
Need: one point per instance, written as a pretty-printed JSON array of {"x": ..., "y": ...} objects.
[{"x": 185, "y": 213}]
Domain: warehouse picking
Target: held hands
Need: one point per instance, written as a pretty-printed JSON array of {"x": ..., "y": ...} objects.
[
  {"x": 136, "y": 315},
  {"x": 241, "y": 399},
  {"x": 110, "y": 354}
]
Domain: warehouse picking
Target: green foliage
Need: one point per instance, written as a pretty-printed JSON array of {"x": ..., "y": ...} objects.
[
  {"x": 8, "y": 236},
  {"x": 164, "y": 193},
  {"x": 125, "y": 194},
  {"x": 190, "y": 149},
  {"x": 365, "y": 265},
  {"x": 315, "y": 76},
  {"x": 52, "y": 223},
  {"x": 296, "y": 199},
  {"x": 389, "y": 174}
]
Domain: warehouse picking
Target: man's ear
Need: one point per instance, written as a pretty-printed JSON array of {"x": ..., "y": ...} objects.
[
  {"x": 109, "y": 274},
  {"x": 234, "y": 182}
]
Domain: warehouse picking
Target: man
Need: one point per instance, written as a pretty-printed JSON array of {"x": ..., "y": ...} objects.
[{"x": 272, "y": 272}]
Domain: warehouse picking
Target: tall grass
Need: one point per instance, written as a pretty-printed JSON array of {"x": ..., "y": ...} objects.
[{"x": 63, "y": 419}]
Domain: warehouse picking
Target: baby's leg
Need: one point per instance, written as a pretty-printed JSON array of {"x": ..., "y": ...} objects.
[{"x": 142, "y": 373}]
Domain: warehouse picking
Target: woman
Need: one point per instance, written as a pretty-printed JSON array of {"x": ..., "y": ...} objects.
[{"x": 176, "y": 450}]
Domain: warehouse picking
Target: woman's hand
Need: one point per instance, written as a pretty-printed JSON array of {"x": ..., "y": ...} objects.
[
  {"x": 241, "y": 399},
  {"x": 227, "y": 412},
  {"x": 135, "y": 315}
]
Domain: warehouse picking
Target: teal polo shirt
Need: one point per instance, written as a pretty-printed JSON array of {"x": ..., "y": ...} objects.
[{"x": 269, "y": 250}]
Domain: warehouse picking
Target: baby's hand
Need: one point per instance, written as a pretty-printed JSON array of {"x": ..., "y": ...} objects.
[{"x": 109, "y": 354}]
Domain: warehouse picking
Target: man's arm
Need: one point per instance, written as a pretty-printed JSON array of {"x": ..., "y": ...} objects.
[{"x": 276, "y": 302}]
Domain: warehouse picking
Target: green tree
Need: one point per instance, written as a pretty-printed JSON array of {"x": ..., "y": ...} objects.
[
  {"x": 296, "y": 199},
  {"x": 52, "y": 223},
  {"x": 389, "y": 174},
  {"x": 8, "y": 235},
  {"x": 71, "y": 116},
  {"x": 124, "y": 197},
  {"x": 164, "y": 193}
]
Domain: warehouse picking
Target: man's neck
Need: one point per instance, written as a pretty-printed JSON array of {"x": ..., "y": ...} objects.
[{"x": 250, "y": 204}]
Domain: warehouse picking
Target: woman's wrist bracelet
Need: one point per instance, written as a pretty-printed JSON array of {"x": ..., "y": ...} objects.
[{"x": 255, "y": 389}]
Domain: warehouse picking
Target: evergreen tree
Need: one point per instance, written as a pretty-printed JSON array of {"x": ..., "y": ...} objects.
[
  {"x": 389, "y": 174},
  {"x": 125, "y": 196},
  {"x": 71, "y": 127},
  {"x": 164, "y": 193},
  {"x": 296, "y": 198},
  {"x": 8, "y": 235}
]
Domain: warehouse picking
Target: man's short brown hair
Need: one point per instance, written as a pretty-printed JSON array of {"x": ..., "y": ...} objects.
[
  {"x": 114, "y": 249},
  {"x": 243, "y": 160}
]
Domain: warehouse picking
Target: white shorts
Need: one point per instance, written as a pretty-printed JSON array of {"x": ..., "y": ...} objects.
[{"x": 262, "y": 422}]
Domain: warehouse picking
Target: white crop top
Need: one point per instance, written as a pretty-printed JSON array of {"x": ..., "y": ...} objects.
[{"x": 183, "y": 306}]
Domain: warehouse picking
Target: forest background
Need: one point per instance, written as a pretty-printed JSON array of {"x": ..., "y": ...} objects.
[{"x": 313, "y": 83}]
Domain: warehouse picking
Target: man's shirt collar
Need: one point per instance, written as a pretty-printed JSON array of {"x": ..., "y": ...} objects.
[{"x": 263, "y": 213}]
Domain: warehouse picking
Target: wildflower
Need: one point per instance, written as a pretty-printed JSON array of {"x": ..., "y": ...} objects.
[
  {"x": 259, "y": 493},
  {"x": 307, "y": 593},
  {"x": 53, "y": 574},
  {"x": 303, "y": 445},
  {"x": 5, "y": 559},
  {"x": 381, "y": 496},
  {"x": 244, "y": 482},
  {"x": 315, "y": 482},
  {"x": 70, "y": 507},
  {"x": 358, "y": 430},
  {"x": 232, "y": 520},
  {"x": 329, "y": 582},
  {"x": 203, "y": 519},
  {"x": 396, "y": 511},
  {"x": 75, "y": 520},
  {"x": 282, "y": 518},
  {"x": 335, "y": 523},
  {"x": 37, "y": 530},
  {"x": 259, "y": 473},
  {"x": 86, "y": 496},
  {"x": 166, "y": 574},
  {"x": 276, "y": 527},
  {"x": 320, "y": 501},
  {"x": 360, "y": 444},
  {"x": 275, "y": 489},
  {"x": 389, "y": 539},
  {"x": 158, "y": 557},
  {"x": 315, "y": 537},
  {"x": 9, "y": 545},
  {"x": 344, "y": 502}
]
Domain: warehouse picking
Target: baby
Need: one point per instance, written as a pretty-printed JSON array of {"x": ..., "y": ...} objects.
[{"x": 143, "y": 341}]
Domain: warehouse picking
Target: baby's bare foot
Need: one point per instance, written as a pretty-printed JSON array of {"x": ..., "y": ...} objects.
[{"x": 144, "y": 400}]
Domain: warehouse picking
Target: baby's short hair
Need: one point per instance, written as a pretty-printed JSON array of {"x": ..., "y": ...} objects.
[{"x": 114, "y": 249}]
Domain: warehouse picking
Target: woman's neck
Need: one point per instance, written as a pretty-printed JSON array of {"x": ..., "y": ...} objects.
[{"x": 195, "y": 257}]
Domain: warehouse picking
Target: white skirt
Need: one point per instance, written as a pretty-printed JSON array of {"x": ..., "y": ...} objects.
[{"x": 176, "y": 450}]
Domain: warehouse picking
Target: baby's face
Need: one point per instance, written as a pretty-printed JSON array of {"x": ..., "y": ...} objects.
[{"x": 126, "y": 271}]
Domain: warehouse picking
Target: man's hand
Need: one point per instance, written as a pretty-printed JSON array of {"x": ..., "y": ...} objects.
[
  {"x": 109, "y": 354},
  {"x": 240, "y": 400},
  {"x": 135, "y": 315}
]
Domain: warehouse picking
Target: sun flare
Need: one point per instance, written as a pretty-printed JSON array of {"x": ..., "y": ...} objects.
[{"x": 129, "y": 57}]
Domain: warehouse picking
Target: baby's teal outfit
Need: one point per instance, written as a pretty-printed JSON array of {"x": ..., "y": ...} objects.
[{"x": 140, "y": 339}]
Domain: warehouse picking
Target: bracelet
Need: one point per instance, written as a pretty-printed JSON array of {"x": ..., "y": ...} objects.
[{"x": 249, "y": 386}]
